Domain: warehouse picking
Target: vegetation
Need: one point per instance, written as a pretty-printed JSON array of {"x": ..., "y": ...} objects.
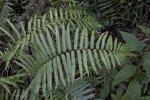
[{"x": 73, "y": 50}]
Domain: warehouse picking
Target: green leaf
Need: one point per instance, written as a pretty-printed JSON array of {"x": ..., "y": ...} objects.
[
  {"x": 105, "y": 91},
  {"x": 58, "y": 40},
  {"x": 119, "y": 92},
  {"x": 146, "y": 64},
  {"x": 80, "y": 90},
  {"x": 113, "y": 97},
  {"x": 60, "y": 71},
  {"x": 15, "y": 30},
  {"x": 124, "y": 74},
  {"x": 8, "y": 34},
  {"x": 132, "y": 43},
  {"x": 85, "y": 62},
  {"x": 80, "y": 63},
  {"x": 145, "y": 29},
  {"x": 134, "y": 91}
]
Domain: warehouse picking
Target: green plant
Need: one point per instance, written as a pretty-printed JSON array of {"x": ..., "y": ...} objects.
[
  {"x": 5, "y": 10},
  {"x": 54, "y": 17},
  {"x": 10, "y": 80},
  {"x": 54, "y": 50},
  {"x": 50, "y": 54},
  {"x": 77, "y": 91},
  {"x": 65, "y": 57},
  {"x": 117, "y": 12},
  {"x": 145, "y": 29}
]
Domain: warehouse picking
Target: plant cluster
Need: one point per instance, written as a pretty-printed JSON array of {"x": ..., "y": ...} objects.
[{"x": 67, "y": 50}]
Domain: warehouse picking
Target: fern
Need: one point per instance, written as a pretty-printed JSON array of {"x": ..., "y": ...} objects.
[
  {"x": 77, "y": 91},
  {"x": 6, "y": 81},
  {"x": 80, "y": 17},
  {"x": 80, "y": 90},
  {"x": 6, "y": 96},
  {"x": 57, "y": 41},
  {"x": 5, "y": 10},
  {"x": 54, "y": 58},
  {"x": 54, "y": 17},
  {"x": 108, "y": 12}
]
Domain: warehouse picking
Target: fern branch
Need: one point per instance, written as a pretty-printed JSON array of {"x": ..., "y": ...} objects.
[
  {"x": 80, "y": 90},
  {"x": 56, "y": 61},
  {"x": 55, "y": 17}
]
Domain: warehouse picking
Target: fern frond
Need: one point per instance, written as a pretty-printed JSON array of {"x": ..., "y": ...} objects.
[
  {"x": 54, "y": 17},
  {"x": 55, "y": 58},
  {"x": 4, "y": 95},
  {"x": 62, "y": 46},
  {"x": 5, "y": 10},
  {"x": 74, "y": 16},
  {"x": 80, "y": 90},
  {"x": 109, "y": 11},
  {"x": 6, "y": 81}
]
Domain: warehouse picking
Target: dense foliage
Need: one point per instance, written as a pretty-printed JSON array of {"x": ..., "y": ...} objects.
[{"x": 74, "y": 50}]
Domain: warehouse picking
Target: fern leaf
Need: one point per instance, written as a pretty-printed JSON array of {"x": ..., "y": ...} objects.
[
  {"x": 5, "y": 11},
  {"x": 49, "y": 21},
  {"x": 77, "y": 91},
  {"x": 6, "y": 81},
  {"x": 63, "y": 66}
]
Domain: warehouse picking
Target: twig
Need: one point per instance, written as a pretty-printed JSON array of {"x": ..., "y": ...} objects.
[
  {"x": 144, "y": 3},
  {"x": 106, "y": 74},
  {"x": 80, "y": 76}
]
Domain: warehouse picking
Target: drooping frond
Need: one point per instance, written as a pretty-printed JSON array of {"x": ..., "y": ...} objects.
[
  {"x": 55, "y": 52},
  {"x": 77, "y": 18},
  {"x": 4, "y": 95},
  {"x": 5, "y": 81},
  {"x": 80, "y": 90}
]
